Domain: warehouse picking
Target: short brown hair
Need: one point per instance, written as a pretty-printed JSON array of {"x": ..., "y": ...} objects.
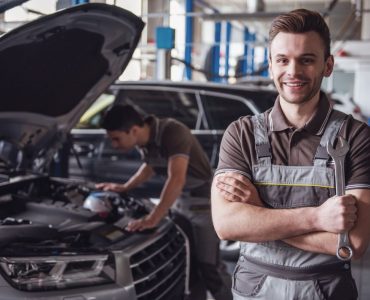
[
  {"x": 300, "y": 21},
  {"x": 121, "y": 117}
]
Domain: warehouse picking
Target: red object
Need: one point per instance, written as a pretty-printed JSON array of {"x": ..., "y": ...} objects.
[{"x": 342, "y": 52}]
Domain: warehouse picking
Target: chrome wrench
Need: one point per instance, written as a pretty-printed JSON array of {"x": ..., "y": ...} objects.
[{"x": 338, "y": 155}]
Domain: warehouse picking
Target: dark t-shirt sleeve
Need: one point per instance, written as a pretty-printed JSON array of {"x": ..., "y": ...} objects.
[
  {"x": 358, "y": 164},
  {"x": 231, "y": 157},
  {"x": 176, "y": 140}
]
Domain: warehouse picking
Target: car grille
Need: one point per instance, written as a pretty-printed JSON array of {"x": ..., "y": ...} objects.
[{"x": 159, "y": 269}]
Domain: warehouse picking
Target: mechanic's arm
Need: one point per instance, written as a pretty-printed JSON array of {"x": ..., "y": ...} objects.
[
  {"x": 335, "y": 215},
  {"x": 242, "y": 221},
  {"x": 177, "y": 168},
  {"x": 143, "y": 174},
  {"x": 359, "y": 235},
  {"x": 237, "y": 216}
]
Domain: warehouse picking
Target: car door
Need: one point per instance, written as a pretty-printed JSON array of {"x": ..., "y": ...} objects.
[{"x": 220, "y": 109}]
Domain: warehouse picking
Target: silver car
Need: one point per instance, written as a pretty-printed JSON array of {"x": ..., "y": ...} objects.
[{"x": 61, "y": 239}]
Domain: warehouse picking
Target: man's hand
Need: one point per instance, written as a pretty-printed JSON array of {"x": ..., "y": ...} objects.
[
  {"x": 235, "y": 187},
  {"x": 147, "y": 222},
  {"x": 337, "y": 214},
  {"x": 112, "y": 187}
]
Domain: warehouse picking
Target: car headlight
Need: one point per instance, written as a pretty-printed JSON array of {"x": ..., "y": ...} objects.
[{"x": 58, "y": 272}]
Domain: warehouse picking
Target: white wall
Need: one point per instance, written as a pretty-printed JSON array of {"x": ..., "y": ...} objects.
[{"x": 358, "y": 62}]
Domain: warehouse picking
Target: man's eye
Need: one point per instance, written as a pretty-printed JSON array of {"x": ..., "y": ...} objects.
[
  {"x": 307, "y": 61},
  {"x": 282, "y": 61}
]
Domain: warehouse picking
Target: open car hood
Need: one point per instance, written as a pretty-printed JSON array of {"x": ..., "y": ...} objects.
[{"x": 52, "y": 69}]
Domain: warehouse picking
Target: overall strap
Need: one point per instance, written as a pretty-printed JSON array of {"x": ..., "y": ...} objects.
[
  {"x": 262, "y": 144},
  {"x": 333, "y": 126}
]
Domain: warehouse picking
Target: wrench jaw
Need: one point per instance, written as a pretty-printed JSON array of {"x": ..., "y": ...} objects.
[{"x": 340, "y": 150}]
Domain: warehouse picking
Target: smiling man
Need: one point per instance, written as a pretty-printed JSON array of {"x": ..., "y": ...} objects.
[{"x": 274, "y": 186}]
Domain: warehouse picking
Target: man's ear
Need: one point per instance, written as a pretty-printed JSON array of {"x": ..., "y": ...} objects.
[
  {"x": 329, "y": 66},
  {"x": 133, "y": 130}
]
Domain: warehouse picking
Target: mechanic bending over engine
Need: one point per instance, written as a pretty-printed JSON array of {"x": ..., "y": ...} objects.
[
  {"x": 169, "y": 148},
  {"x": 273, "y": 189}
]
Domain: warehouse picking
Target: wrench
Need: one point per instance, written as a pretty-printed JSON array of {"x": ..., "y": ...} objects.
[{"x": 338, "y": 155}]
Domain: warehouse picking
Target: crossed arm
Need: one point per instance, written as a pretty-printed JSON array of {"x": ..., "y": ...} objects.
[{"x": 239, "y": 214}]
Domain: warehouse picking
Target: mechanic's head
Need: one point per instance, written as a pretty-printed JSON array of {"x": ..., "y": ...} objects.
[
  {"x": 123, "y": 124},
  {"x": 301, "y": 21},
  {"x": 299, "y": 44}
]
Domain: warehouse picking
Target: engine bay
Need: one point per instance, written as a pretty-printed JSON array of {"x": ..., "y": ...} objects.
[{"x": 39, "y": 214}]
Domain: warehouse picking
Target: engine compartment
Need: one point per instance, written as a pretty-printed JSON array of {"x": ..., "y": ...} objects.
[{"x": 40, "y": 214}]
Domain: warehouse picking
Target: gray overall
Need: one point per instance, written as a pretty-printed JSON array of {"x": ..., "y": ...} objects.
[
  {"x": 275, "y": 270},
  {"x": 194, "y": 206}
]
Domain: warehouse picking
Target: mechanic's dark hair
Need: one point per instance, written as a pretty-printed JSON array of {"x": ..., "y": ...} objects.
[
  {"x": 121, "y": 117},
  {"x": 301, "y": 21}
]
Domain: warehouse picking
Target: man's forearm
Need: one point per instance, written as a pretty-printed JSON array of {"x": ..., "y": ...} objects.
[
  {"x": 318, "y": 242},
  {"x": 176, "y": 169},
  {"x": 142, "y": 174},
  {"x": 313, "y": 229},
  {"x": 171, "y": 191},
  {"x": 326, "y": 242},
  {"x": 245, "y": 222}
]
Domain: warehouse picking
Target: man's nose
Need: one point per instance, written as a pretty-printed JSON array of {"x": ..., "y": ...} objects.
[{"x": 293, "y": 68}]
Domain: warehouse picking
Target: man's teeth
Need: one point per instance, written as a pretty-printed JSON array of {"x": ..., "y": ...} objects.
[{"x": 294, "y": 84}]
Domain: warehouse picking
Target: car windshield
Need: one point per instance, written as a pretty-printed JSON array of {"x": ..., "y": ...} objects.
[
  {"x": 91, "y": 118},
  {"x": 179, "y": 105}
]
